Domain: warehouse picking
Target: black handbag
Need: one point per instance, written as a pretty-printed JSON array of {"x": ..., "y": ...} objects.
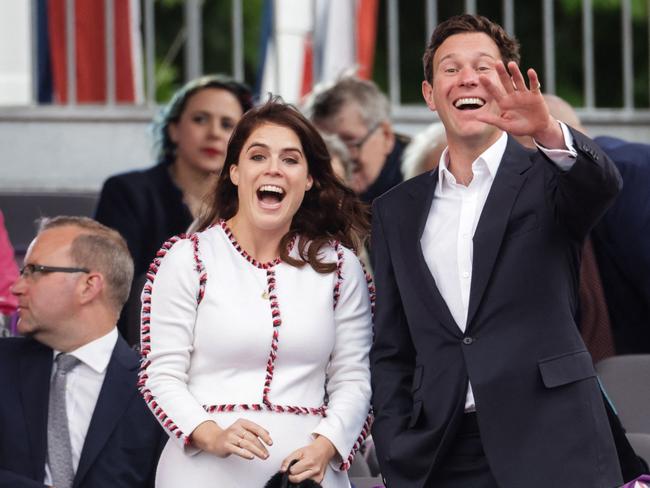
[{"x": 281, "y": 480}]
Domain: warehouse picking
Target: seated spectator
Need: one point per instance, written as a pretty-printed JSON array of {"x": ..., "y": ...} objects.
[
  {"x": 70, "y": 413},
  {"x": 149, "y": 206},
  {"x": 8, "y": 275},
  {"x": 358, "y": 112}
]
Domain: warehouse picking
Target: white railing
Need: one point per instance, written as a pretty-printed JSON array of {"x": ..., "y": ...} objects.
[{"x": 192, "y": 37}]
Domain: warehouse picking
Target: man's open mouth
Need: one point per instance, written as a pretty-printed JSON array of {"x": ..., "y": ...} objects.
[{"x": 469, "y": 103}]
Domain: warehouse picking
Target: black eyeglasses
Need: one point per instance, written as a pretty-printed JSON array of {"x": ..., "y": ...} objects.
[
  {"x": 357, "y": 145},
  {"x": 29, "y": 269}
]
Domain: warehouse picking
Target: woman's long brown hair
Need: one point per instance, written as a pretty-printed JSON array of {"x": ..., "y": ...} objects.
[{"x": 330, "y": 211}]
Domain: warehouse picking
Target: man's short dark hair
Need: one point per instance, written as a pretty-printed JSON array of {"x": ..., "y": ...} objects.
[{"x": 466, "y": 24}]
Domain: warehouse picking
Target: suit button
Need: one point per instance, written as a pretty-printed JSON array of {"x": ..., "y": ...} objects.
[{"x": 467, "y": 340}]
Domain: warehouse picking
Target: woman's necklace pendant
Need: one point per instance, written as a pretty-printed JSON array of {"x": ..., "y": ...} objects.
[{"x": 265, "y": 295}]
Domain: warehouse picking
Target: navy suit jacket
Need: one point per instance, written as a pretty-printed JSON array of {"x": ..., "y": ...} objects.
[
  {"x": 123, "y": 440},
  {"x": 622, "y": 245},
  {"x": 538, "y": 403}
]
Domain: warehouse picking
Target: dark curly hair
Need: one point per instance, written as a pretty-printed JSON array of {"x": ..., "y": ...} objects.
[
  {"x": 467, "y": 24},
  {"x": 171, "y": 113},
  {"x": 329, "y": 211}
]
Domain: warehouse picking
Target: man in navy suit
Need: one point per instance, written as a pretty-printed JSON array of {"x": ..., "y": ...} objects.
[
  {"x": 622, "y": 245},
  {"x": 84, "y": 426},
  {"x": 621, "y": 238},
  {"x": 480, "y": 377}
]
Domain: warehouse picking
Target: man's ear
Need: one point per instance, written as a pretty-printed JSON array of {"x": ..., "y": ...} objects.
[
  {"x": 389, "y": 136},
  {"x": 91, "y": 287},
  {"x": 234, "y": 174},
  {"x": 427, "y": 94}
]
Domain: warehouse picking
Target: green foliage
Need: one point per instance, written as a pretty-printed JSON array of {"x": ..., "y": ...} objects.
[
  {"x": 166, "y": 75},
  {"x": 639, "y": 7},
  {"x": 217, "y": 47}
]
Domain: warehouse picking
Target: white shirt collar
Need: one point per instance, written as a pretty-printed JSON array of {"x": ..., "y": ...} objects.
[
  {"x": 96, "y": 354},
  {"x": 491, "y": 157}
]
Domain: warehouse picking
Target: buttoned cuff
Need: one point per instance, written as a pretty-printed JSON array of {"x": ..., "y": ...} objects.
[{"x": 562, "y": 158}]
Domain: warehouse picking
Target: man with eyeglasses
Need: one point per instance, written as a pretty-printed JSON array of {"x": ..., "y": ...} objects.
[
  {"x": 358, "y": 113},
  {"x": 70, "y": 413}
]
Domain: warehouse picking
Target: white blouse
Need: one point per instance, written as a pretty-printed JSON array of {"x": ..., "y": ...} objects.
[{"x": 223, "y": 332}]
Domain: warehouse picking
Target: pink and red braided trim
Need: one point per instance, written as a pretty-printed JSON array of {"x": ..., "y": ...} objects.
[
  {"x": 270, "y": 368},
  {"x": 339, "y": 272},
  {"x": 257, "y": 407},
  {"x": 145, "y": 328},
  {"x": 243, "y": 252},
  {"x": 365, "y": 431}
]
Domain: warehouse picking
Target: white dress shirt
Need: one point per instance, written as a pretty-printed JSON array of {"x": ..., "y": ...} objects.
[
  {"x": 447, "y": 240},
  {"x": 83, "y": 385}
]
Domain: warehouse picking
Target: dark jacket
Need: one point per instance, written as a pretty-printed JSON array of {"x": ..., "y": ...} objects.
[
  {"x": 123, "y": 441},
  {"x": 538, "y": 403},
  {"x": 622, "y": 245},
  {"x": 147, "y": 208}
]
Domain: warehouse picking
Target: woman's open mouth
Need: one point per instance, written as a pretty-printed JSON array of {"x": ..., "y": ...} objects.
[{"x": 270, "y": 196}]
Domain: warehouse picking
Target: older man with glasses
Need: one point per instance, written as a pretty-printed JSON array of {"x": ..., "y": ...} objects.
[
  {"x": 70, "y": 413},
  {"x": 358, "y": 113}
]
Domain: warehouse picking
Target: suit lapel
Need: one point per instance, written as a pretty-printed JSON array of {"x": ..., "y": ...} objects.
[
  {"x": 494, "y": 219},
  {"x": 35, "y": 372},
  {"x": 114, "y": 397},
  {"x": 411, "y": 230}
]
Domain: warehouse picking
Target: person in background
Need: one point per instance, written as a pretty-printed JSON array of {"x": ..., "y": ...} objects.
[
  {"x": 359, "y": 113},
  {"x": 8, "y": 276},
  {"x": 622, "y": 246},
  {"x": 341, "y": 162},
  {"x": 619, "y": 295},
  {"x": 424, "y": 151},
  {"x": 256, "y": 329},
  {"x": 594, "y": 315},
  {"x": 70, "y": 413},
  {"x": 480, "y": 377},
  {"x": 148, "y": 206}
]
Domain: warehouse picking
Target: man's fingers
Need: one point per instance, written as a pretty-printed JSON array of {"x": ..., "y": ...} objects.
[
  {"x": 517, "y": 77},
  {"x": 533, "y": 79},
  {"x": 491, "y": 88},
  {"x": 491, "y": 119},
  {"x": 504, "y": 78}
]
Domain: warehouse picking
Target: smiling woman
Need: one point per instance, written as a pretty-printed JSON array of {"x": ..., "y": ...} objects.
[
  {"x": 223, "y": 363},
  {"x": 148, "y": 206}
]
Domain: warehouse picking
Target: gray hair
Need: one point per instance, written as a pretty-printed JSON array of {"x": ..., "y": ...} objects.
[
  {"x": 99, "y": 248},
  {"x": 338, "y": 149},
  {"x": 327, "y": 100}
]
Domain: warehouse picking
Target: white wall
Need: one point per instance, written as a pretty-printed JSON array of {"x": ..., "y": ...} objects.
[
  {"x": 78, "y": 155},
  {"x": 15, "y": 52},
  {"x": 44, "y": 149}
]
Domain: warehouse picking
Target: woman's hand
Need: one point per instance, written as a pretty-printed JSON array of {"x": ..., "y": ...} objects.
[
  {"x": 312, "y": 460},
  {"x": 243, "y": 438}
]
